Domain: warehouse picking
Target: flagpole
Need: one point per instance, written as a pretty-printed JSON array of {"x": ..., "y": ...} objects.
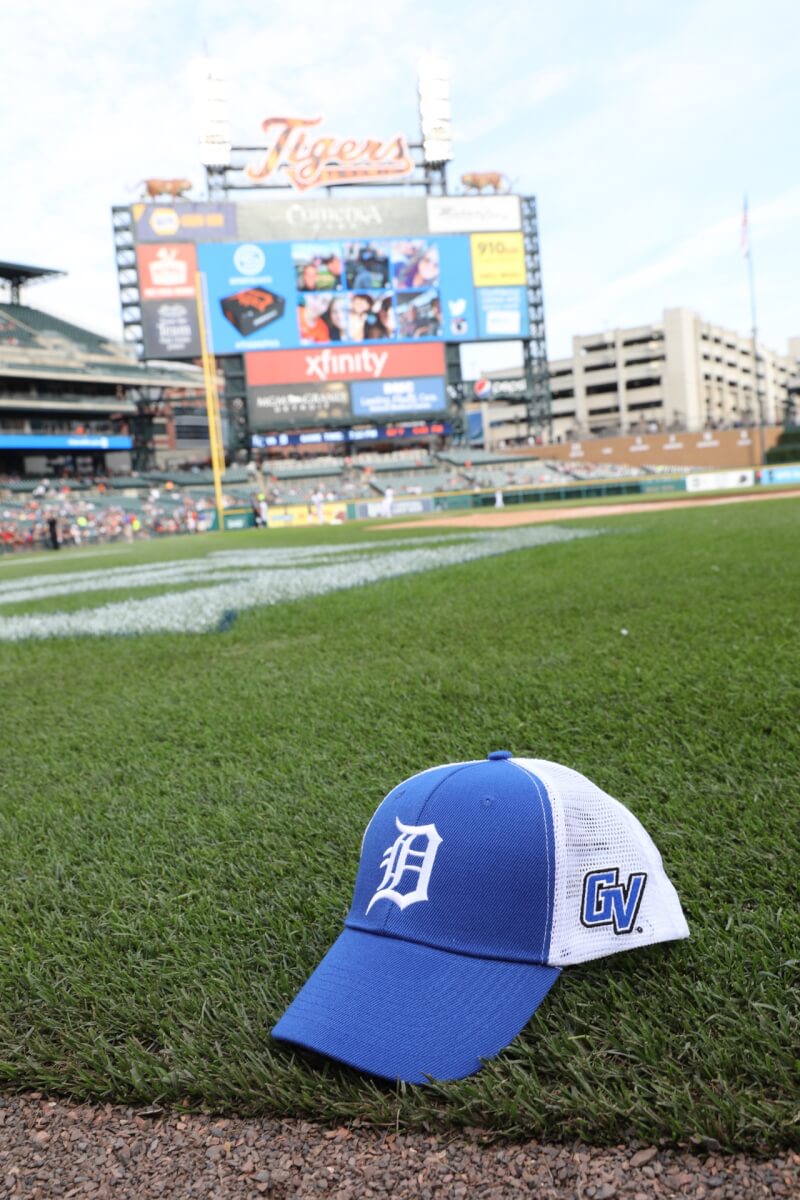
[{"x": 754, "y": 322}]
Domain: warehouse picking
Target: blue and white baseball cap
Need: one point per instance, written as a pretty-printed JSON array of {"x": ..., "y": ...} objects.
[{"x": 478, "y": 881}]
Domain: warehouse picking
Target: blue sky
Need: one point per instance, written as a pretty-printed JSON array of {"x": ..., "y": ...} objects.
[{"x": 638, "y": 125}]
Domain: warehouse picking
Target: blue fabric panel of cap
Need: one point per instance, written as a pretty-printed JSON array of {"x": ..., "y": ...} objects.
[
  {"x": 491, "y": 881},
  {"x": 404, "y": 1011}
]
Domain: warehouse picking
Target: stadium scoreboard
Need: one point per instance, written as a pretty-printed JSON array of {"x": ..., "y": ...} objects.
[{"x": 340, "y": 309}]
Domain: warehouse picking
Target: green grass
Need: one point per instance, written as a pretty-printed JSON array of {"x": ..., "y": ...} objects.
[{"x": 180, "y": 820}]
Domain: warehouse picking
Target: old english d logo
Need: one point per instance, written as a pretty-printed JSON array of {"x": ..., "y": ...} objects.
[
  {"x": 402, "y": 857},
  {"x": 606, "y": 901}
]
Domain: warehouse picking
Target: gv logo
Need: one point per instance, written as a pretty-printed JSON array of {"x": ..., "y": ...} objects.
[{"x": 606, "y": 901}]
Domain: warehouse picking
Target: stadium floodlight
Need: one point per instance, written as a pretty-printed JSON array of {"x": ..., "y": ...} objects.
[
  {"x": 434, "y": 110},
  {"x": 212, "y": 105}
]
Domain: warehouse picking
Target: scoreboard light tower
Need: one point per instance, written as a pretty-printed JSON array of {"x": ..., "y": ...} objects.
[
  {"x": 434, "y": 118},
  {"x": 215, "y": 130}
]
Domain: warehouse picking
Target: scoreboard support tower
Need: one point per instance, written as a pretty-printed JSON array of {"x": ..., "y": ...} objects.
[{"x": 538, "y": 399}]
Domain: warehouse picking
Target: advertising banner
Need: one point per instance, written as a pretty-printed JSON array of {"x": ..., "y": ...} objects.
[
  {"x": 396, "y": 397},
  {"x": 287, "y": 220},
  {"x": 170, "y": 329},
  {"x": 345, "y": 364},
  {"x": 473, "y": 214},
  {"x": 282, "y": 295},
  {"x": 167, "y": 272},
  {"x": 66, "y": 441},
  {"x": 499, "y": 389},
  {"x": 475, "y": 433},
  {"x": 298, "y": 404},
  {"x": 712, "y": 481},
  {"x": 498, "y": 259},
  {"x": 788, "y": 474},
  {"x": 403, "y": 506},
  {"x": 334, "y": 512},
  {"x": 502, "y": 312},
  {"x": 189, "y": 221}
]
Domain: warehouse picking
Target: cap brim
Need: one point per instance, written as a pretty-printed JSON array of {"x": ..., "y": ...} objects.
[{"x": 405, "y": 1011}]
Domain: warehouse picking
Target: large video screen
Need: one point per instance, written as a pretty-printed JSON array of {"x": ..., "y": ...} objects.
[{"x": 285, "y": 295}]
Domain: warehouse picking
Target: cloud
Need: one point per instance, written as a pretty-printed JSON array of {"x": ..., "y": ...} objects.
[
  {"x": 696, "y": 264},
  {"x": 637, "y": 127},
  {"x": 513, "y": 100}
]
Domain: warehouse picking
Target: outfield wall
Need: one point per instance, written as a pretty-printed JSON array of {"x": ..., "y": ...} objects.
[
  {"x": 294, "y": 516},
  {"x": 713, "y": 448}
]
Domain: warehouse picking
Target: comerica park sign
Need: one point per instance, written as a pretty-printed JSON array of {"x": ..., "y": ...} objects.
[{"x": 309, "y": 162}]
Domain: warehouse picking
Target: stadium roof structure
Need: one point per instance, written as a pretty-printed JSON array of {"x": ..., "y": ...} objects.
[{"x": 18, "y": 274}]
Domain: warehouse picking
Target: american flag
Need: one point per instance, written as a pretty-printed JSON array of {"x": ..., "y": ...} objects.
[{"x": 745, "y": 230}]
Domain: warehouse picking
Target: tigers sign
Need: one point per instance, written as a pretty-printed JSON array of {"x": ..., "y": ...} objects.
[{"x": 310, "y": 162}]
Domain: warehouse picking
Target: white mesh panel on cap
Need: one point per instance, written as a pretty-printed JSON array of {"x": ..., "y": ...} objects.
[{"x": 595, "y": 833}]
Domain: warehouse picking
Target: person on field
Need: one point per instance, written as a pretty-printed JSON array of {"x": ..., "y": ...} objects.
[
  {"x": 263, "y": 510},
  {"x": 319, "y": 501}
]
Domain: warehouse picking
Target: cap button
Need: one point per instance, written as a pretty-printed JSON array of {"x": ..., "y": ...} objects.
[{"x": 498, "y": 754}]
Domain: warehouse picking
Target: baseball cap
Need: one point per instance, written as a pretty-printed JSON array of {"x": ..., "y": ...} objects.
[{"x": 477, "y": 883}]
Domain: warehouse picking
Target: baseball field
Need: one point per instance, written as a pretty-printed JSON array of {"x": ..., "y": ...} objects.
[{"x": 196, "y": 731}]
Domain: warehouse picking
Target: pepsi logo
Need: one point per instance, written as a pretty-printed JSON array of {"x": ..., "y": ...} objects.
[{"x": 483, "y": 389}]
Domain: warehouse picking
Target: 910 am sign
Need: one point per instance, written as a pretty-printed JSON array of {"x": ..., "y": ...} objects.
[{"x": 316, "y": 162}]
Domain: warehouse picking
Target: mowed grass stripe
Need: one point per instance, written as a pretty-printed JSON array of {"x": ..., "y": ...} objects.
[{"x": 181, "y": 817}]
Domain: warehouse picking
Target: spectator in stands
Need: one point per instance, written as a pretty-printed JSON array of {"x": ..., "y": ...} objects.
[{"x": 52, "y": 529}]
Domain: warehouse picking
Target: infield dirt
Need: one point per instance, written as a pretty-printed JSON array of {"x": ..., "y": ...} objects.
[{"x": 497, "y": 518}]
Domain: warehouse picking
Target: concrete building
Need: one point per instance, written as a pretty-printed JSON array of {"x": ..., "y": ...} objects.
[{"x": 679, "y": 373}]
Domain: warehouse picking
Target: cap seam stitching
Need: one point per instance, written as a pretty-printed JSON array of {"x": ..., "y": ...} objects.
[{"x": 532, "y": 779}]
